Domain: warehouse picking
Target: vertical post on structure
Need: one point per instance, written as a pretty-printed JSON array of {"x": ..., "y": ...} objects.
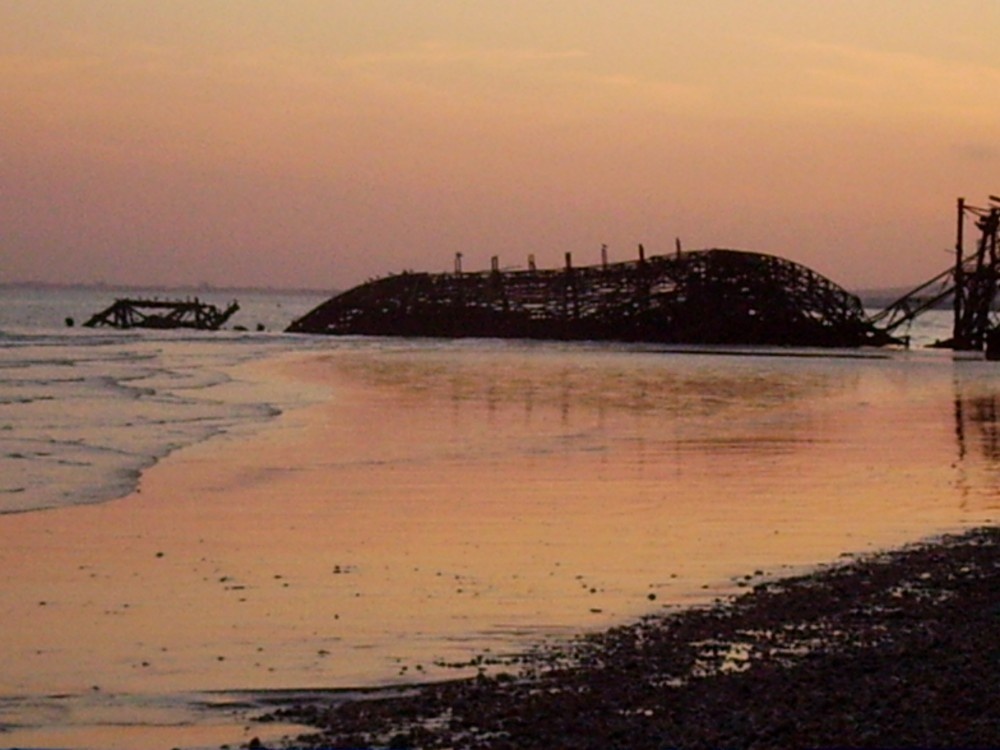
[
  {"x": 459, "y": 286},
  {"x": 959, "y": 274},
  {"x": 604, "y": 256},
  {"x": 677, "y": 244},
  {"x": 531, "y": 262},
  {"x": 497, "y": 287},
  {"x": 990, "y": 334},
  {"x": 992, "y": 222},
  {"x": 569, "y": 290},
  {"x": 642, "y": 283}
]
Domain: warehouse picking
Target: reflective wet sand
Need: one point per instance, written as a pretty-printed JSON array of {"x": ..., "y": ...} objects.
[{"x": 442, "y": 502}]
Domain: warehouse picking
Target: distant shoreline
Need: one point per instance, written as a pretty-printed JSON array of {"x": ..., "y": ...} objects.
[{"x": 199, "y": 288}]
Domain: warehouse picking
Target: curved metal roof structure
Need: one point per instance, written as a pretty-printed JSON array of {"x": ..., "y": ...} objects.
[{"x": 699, "y": 297}]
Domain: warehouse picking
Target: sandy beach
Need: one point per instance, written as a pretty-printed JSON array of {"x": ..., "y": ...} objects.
[{"x": 427, "y": 507}]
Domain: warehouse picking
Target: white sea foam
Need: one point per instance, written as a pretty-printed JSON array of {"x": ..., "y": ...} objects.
[{"x": 84, "y": 411}]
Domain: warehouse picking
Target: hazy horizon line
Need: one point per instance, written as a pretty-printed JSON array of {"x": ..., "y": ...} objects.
[{"x": 118, "y": 286}]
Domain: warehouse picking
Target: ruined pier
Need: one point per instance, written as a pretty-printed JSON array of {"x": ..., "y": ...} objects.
[
  {"x": 716, "y": 296},
  {"x": 163, "y": 314}
]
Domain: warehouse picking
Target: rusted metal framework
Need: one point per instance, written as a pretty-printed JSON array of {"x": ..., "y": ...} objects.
[
  {"x": 145, "y": 313},
  {"x": 971, "y": 284},
  {"x": 704, "y": 297}
]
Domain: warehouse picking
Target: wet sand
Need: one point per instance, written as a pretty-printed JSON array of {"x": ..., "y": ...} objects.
[
  {"x": 430, "y": 507},
  {"x": 897, "y": 650}
]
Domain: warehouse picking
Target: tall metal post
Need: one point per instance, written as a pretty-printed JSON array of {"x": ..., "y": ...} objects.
[{"x": 959, "y": 276}]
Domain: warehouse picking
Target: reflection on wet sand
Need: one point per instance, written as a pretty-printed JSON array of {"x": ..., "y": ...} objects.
[
  {"x": 979, "y": 413},
  {"x": 977, "y": 434}
]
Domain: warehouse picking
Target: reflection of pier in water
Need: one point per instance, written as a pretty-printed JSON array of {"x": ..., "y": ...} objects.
[
  {"x": 637, "y": 410},
  {"x": 980, "y": 413},
  {"x": 977, "y": 434}
]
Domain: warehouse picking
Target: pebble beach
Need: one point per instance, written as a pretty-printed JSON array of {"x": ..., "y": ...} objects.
[{"x": 891, "y": 650}]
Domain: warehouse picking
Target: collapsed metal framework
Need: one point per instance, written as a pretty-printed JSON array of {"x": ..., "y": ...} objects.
[
  {"x": 145, "y": 313},
  {"x": 971, "y": 283},
  {"x": 704, "y": 297}
]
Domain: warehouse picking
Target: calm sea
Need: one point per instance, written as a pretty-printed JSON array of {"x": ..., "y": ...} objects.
[{"x": 84, "y": 411}]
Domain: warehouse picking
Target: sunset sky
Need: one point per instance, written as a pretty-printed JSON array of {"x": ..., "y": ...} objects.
[{"x": 316, "y": 143}]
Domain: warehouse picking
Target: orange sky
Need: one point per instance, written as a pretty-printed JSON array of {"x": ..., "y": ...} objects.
[{"x": 320, "y": 142}]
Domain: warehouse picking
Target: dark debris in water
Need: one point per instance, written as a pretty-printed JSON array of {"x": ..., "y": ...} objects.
[{"x": 896, "y": 650}]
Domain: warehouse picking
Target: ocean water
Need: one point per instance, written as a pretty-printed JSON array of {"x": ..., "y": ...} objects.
[{"x": 83, "y": 411}]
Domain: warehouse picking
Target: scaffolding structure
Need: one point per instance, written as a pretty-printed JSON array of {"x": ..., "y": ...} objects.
[
  {"x": 716, "y": 296},
  {"x": 971, "y": 284},
  {"x": 163, "y": 314}
]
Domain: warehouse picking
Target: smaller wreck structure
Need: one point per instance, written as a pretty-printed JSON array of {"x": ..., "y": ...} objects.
[
  {"x": 713, "y": 296},
  {"x": 163, "y": 314}
]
